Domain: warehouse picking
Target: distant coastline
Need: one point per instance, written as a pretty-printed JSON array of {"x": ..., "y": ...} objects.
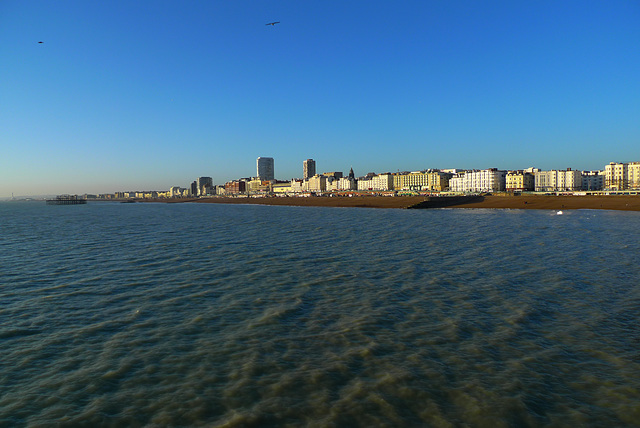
[{"x": 550, "y": 202}]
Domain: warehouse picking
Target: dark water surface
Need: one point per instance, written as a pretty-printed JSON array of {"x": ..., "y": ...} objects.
[{"x": 214, "y": 315}]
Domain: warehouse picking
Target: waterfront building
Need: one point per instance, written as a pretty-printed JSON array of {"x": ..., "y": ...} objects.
[
  {"x": 633, "y": 174},
  {"x": 558, "y": 181},
  {"x": 308, "y": 169},
  {"x": 622, "y": 176},
  {"x": 235, "y": 187},
  {"x": 317, "y": 183},
  {"x": 486, "y": 180},
  {"x": 203, "y": 185},
  {"x": 346, "y": 183},
  {"x": 177, "y": 191},
  {"x": 380, "y": 182},
  {"x": 264, "y": 168},
  {"x": 431, "y": 180},
  {"x": 281, "y": 188},
  {"x": 456, "y": 183},
  {"x": 593, "y": 180},
  {"x": 256, "y": 185},
  {"x": 519, "y": 181},
  {"x": 297, "y": 186},
  {"x": 616, "y": 176}
]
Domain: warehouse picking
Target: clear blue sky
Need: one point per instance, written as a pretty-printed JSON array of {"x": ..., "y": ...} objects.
[{"x": 126, "y": 95}]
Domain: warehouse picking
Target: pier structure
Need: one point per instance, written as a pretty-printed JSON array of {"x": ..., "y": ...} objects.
[{"x": 66, "y": 200}]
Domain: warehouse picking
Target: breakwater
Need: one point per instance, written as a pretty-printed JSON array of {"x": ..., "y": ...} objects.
[{"x": 446, "y": 201}]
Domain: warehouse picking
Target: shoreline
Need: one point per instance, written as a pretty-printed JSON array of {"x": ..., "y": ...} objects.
[{"x": 540, "y": 202}]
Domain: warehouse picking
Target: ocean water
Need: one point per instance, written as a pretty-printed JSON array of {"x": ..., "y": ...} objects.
[{"x": 212, "y": 315}]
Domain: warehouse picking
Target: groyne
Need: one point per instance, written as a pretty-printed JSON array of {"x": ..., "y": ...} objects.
[{"x": 446, "y": 201}]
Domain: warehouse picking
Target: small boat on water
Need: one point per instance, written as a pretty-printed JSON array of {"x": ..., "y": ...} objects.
[{"x": 66, "y": 200}]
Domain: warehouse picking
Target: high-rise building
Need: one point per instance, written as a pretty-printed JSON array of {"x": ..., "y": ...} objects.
[
  {"x": 308, "y": 169},
  {"x": 264, "y": 168},
  {"x": 204, "y": 184}
]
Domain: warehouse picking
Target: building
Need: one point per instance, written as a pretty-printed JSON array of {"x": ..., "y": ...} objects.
[
  {"x": 380, "y": 182},
  {"x": 486, "y": 180},
  {"x": 235, "y": 187},
  {"x": 281, "y": 188},
  {"x": 633, "y": 174},
  {"x": 317, "y": 183},
  {"x": 308, "y": 169},
  {"x": 177, "y": 192},
  {"x": 264, "y": 168},
  {"x": 297, "y": 185},
  {"x": 346, "y": 183},
  {"x": 429, "y": 180},
  {"x": 593, "y": 180},
  {"x": 333, "y": 174},
  {"x": 256, "y": 185},
  {"x": 204, "y": 186},
  {"x": 622, "y": 176},
  {"x": 558, "y": 181},
  {"x": 519, "y": 181}
]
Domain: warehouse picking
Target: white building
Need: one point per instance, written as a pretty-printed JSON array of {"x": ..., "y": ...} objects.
[
  {"x": 558, "y": 181},
  {"x": 346, "y": 183},
  {"x": 380, "y": 182},
  {"x": 486, "y": 180},
  {"x": 317, "y": 183},
  {"x": 297, "y": 186},
  {"x": 177, "y": 192},
  {"x": 622, "y": 176}
]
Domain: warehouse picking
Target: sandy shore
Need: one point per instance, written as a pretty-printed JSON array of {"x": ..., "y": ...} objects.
[
  {"x": 325, "y": 201},
  {"x": 626, "y": 203},
  {"x": 618, "y": 202}
]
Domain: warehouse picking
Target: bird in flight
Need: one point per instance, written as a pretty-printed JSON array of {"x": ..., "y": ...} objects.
[
  {"x": 40, "y": 42},
  {"x": 273, "y": 23}
]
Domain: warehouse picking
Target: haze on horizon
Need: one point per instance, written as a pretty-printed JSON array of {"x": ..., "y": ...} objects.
[{"x": 148, "y": 95}]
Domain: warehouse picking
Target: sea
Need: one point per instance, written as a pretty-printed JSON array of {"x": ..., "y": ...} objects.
[{"x": 207, "y": 315}]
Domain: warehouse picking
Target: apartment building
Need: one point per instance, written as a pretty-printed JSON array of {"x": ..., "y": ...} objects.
[
  {"x": 519, "y": 181},
  {"x": 593, "y": 180},
  {"x": 264, "y": 168},
  {"x": 308, "y": 169},
  {"x": 422, "y": 180},
  {"x": 378, "y": 182},
  {"x": 558, "y": 181},
  {"x": 622, "y": 176},
  {"x": 486, "y": 180}
]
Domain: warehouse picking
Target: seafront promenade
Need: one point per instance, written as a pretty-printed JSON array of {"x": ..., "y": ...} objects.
[{"x": 551, "y": 202}]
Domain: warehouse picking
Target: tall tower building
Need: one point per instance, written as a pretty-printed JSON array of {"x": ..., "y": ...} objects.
[
  {"x": 308, "y": 169},
  {"x": 264, "y": 168},
  {"x": 202, "y": 184}
]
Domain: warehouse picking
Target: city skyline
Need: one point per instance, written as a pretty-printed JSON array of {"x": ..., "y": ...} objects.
[
  {"x": 148, "y": 96},
  {"x": 196, "y": 185}
]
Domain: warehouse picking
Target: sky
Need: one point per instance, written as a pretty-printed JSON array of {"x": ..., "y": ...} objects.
[{"x": 145, "y": 95}]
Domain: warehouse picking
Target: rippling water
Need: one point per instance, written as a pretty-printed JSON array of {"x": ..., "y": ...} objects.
[{"x": 208, "y": 315}]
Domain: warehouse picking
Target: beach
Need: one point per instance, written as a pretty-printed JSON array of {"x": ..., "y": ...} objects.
[{"x": 551, "y": 202}]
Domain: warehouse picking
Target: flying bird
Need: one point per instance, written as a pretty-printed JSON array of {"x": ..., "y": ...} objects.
[
  {"x": 273, "y": 23},
  {"x": 40, "y": 42}
]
